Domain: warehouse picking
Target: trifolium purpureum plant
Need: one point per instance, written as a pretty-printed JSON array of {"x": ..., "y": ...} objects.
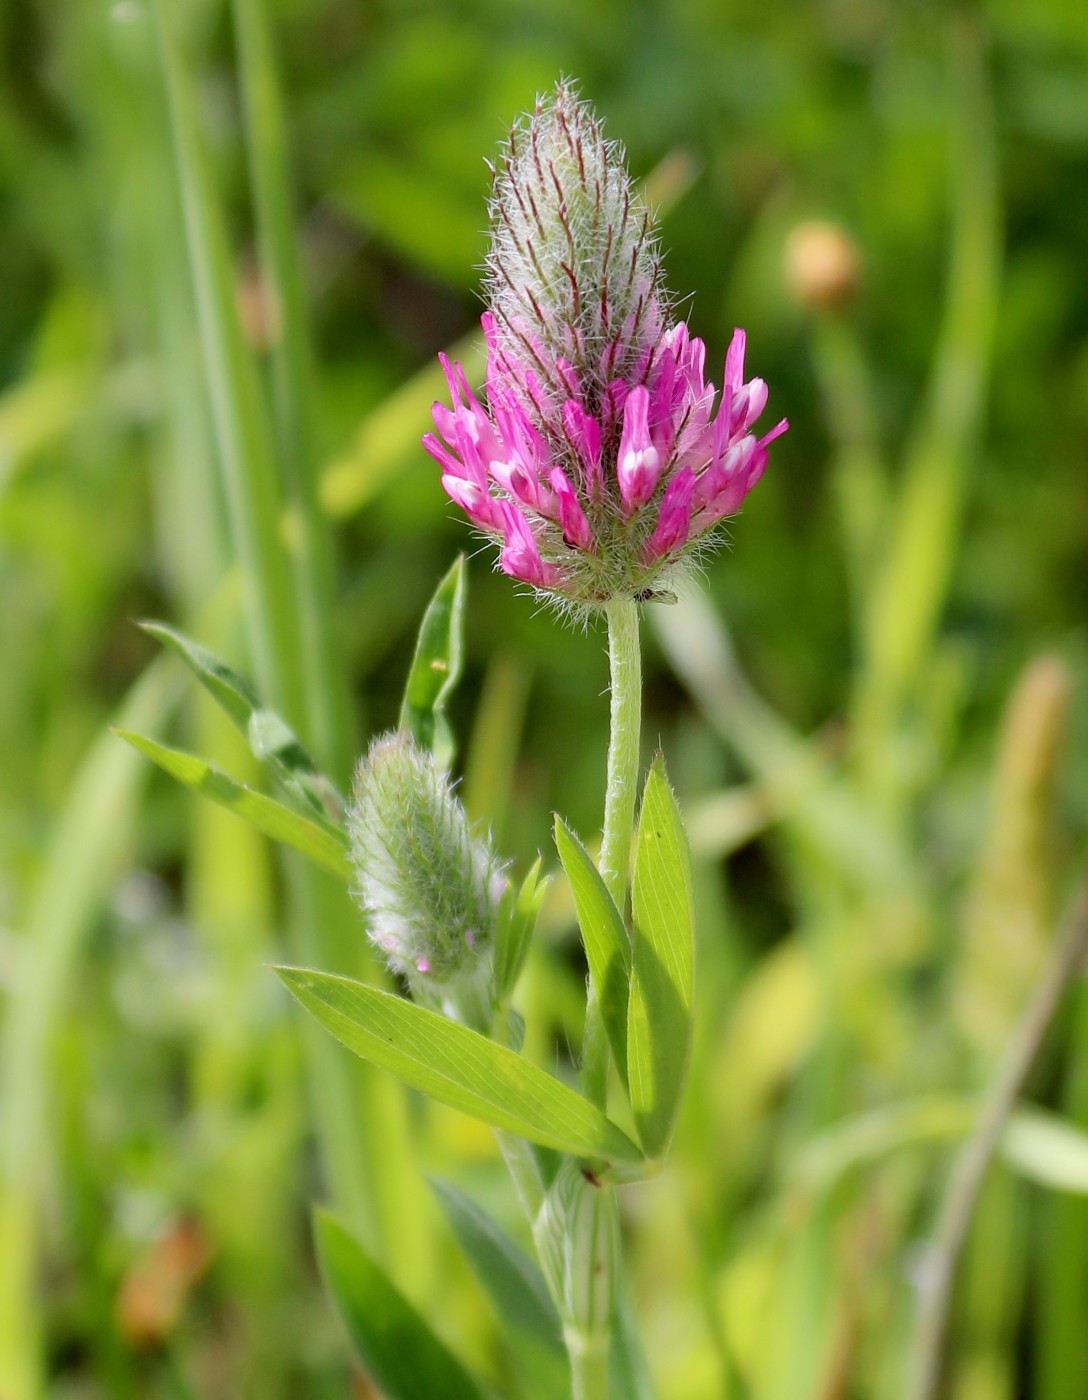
[{"x": 599, "y": 460}]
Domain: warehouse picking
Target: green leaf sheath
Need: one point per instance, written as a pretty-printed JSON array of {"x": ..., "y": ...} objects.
[
  {"x": 436, "y": 666},
  {"x": 608, "y": 948},
  {"x": 663, "y": 965},
  {"x": 319, "y": 841},
  {"x": 399, "y": 1352},
  {"x": 459, "y": 1067}
]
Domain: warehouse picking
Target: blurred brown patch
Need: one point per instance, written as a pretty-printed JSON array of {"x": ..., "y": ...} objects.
[{"x": 153, "y": 1292}]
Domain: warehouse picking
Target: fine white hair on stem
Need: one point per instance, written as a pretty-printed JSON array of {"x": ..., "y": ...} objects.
[{"x": 574, "y": 261}]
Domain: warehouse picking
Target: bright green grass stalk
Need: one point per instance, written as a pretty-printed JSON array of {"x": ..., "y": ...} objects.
[
  {"x": 325, "y": 689},
  {"x": 360, "y": 1131},
  {"x": 88, "y": 845},
  {"x": 1061, "y": 1262},
  {"x": 925, "y": 1358},
  {"x": 908, "y": 591},
  {"x": 247, "y": 460},
  {"x": 859, "y": 474}
]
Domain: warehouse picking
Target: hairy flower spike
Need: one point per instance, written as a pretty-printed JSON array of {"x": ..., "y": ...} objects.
[
  {"x": 600, "y": 460},
  {"x": 430, "y": 890}
]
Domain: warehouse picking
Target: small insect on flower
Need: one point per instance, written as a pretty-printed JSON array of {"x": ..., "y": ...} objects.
[{"x": 603, "y": 455}]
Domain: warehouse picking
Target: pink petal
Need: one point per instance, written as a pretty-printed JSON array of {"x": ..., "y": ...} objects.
[
  {"x": 776, "y": 432},
  {"x": 584, "y": 435},
  {"x": 477, "y": 503},
  {"x": 615, "y": 397},
  {"x": 639, "y": 465},
  {"x": 733, "y": 377},
  {"x": 748, "y": 403},
  {"x": 724, "y": 472},
  {"x": 520, "y": 480},
  {"x": 674, "y": 520},
  {"x": 572, "y": 517},
  {"x": 520, "y": 556},
  {"x": 443, "y": 456}
]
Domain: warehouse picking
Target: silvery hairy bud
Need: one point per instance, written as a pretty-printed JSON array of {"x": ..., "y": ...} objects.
[{"x": 429, "y": 888}]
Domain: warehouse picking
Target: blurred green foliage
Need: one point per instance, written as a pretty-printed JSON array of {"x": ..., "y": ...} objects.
[{"x": 886, "y": 792}]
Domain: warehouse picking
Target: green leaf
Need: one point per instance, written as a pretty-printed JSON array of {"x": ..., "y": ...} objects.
[
  {"x": 518, "y": 913},
  {"x": 320, "y": 841},
  {"x": 232, "y": 692},
  {"x": 1047, "y": 1150},
  {"x": 397, "y": 1348},
  {"x": 663, "y": 965},
  {"x": 273, "y": 743},
  {"x": 608, "y": 949},
  {"x": 436, "y": 667},
  {"x": 458, "y": 1066},
  {"x": 513, "y": 1282}
]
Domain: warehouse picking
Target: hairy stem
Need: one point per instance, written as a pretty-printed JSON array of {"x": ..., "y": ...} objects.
[
  {"x": 625, "y": 665},
  {"x": 625, "y": 725}
]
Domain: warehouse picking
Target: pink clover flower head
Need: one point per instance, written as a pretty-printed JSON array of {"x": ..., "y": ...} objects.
[{"x": 604, "y": 455}]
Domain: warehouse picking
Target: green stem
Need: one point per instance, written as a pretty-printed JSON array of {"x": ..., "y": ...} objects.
[
  {"x": 518, "y": 1154},
  {"x": 625, "y": 665},
  {"x": 625, "y": 716},
  {"x": 588, "y": 1363},
  {"x": 522, "y": 1165},
  {"x": 588, "y": 1348}
]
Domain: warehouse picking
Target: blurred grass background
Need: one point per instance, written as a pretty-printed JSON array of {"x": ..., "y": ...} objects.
[{"x": 875, "y": 716}]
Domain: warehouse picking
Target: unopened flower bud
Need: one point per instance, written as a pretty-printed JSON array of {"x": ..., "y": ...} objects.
[
  {"x": 429, "y": 888},
  {"x": 822, "y": 265}
]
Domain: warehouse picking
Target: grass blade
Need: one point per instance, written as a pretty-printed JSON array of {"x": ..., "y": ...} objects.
[
  {"x": 325, "y": 688},
  {"x": 321, "y": 843},
  {"x": 245, "y": 448},
  {"x": 272, "y": 741},
  {"x": 513, "y": 1282},
  {"x": 89, "y": 841},
  {"x": 399, "y": 1351}
]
